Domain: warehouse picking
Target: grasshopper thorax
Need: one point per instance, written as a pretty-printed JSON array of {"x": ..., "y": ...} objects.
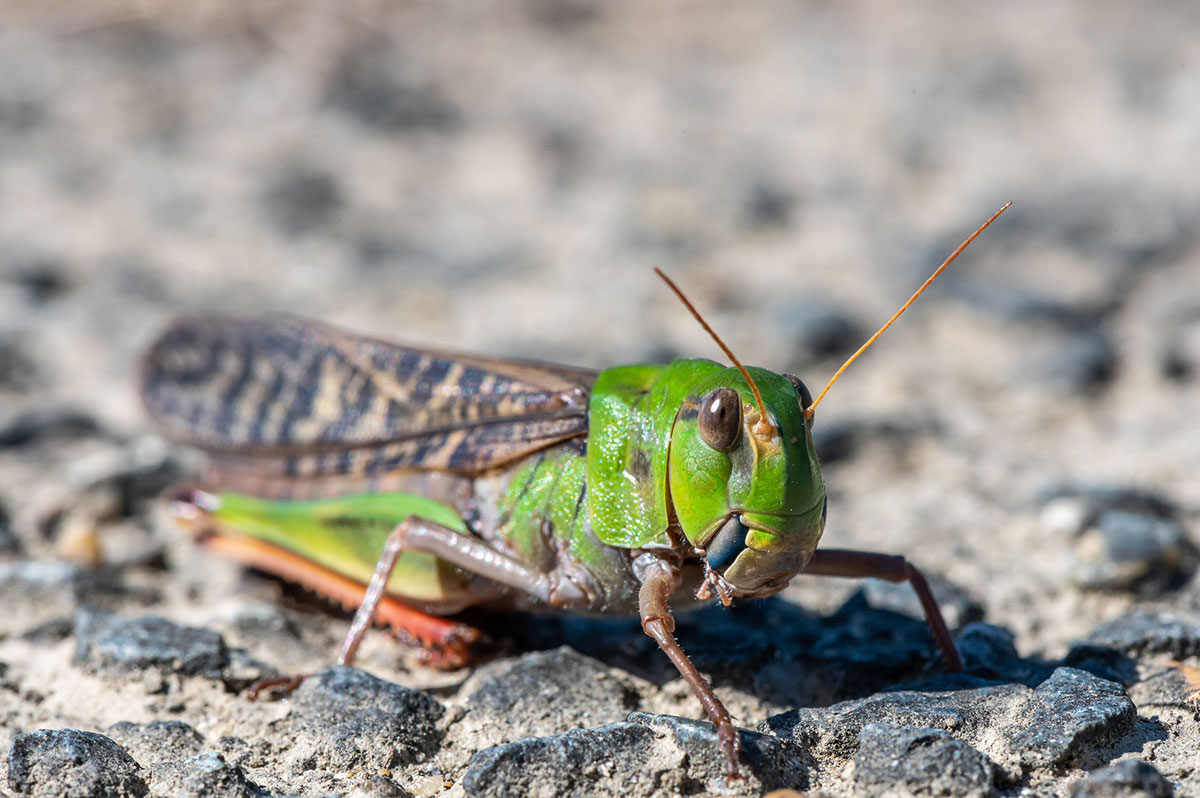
[{"x": 753, "y": 503}]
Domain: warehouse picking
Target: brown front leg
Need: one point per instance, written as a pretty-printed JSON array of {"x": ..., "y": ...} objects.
[
  {"x": 658, "y": 583},
  {"x": 893, "y": 568}
]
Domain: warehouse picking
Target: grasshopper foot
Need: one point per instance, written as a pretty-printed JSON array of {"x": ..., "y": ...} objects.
[
  {"x": 458, "y": 648},
  {"x": 731, "y": 744},
  {"x": 282, "y": 684}
]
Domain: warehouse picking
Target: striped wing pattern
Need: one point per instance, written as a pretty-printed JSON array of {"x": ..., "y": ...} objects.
[{"x": 289, "y": 398}]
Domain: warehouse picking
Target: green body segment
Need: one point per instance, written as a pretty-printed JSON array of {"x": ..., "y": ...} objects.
[
  {"x": 631, "y": 414},
  {"x": 347, "y": 534}
]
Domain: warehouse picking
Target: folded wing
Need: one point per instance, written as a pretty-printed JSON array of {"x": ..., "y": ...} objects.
[{"x": 289, "y": 398}]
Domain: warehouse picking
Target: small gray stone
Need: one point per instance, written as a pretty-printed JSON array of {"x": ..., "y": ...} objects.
[
  {"x": 370, "y": 88},
  {"x": 109, "y": 642},
  {"x": 158, "y": 741},
  {"x": 1019, "y": 305},
  {"x": 69, "y": 763},
  {"x": 914, "y": 761},
  {"x": 1129, "y": 778},
  {"x": 1096, "y": 498},
  {"x": 1134, "y": 552},
  {"x": 764, "y": 758},
  {"x": 136, "y": 473},
  {"x": 41, "y": 275},
  {"x": 1179, "y": 357},
  {"x": 837, "y": 440},
  {"x": 990, "y": 647},
  {"x": 20, "y": 371},
  {"x": 344, "y": 718},
  {"x": 46, "y": 423},
  {"x": 243, "y": 670},
  {"x": 609, "y": 760},
  {"x": 379, "y": 787},
  {"x": 199, "y": 776},
  {"x": 1073, "y": 718},
  {"x": 768, "y": 204},
  {"x": 302, "y": 199},
  {"x": 10, "y": 544},
  {"x": 36, "y": 593},
  {"x": 1142, "y": 632},
  {"x": 651, "y": 755},
  {"x": 832, "y": 733},
  {"x": 818, "y": 328},
  {"x": 549, "y": 691},
  {"x": 1085, "y": 360}
]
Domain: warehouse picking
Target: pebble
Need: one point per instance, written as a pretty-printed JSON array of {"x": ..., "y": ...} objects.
[
  {"x": 649, "y": 755},
  {"x": 840, "y": 439},
  {"x": 20, "y": 371},
  {"x": 1133, "y": 552},
  {"x": 769, "y": 204},
  {"x": 1147, "y": 632},
  {"x": 1020, "y": 306},
  {"x": 40, "y": 275},
  {"x": 379, "y": 787},
  {"x": 896, "y": 761},
  {"x": 346, "y": 719},
  {"x": 108, "y": 642},
  {"x": 158, "y": 741},
  {"x": 1072, "y": 719},
  {"x": 1129, "y": 778},
  {"x": 764, "y": 758},
  {"x": 550, "y": 691},
  {"x": 201, "y": 776},
  {"x": 37, "y": 594},
  {"x": 608, "y": 760},
  {"x": 39, "y": 425},
  {"x": 10, "y": 544},
  {"x": 818, "y": 328},
  {"x": 1125, "y": 539},
  {"x": 1083, "y": 361},
  {"x": 990, "y": 647},
  {"x": 72, "y": 764},
  {"x": 1095, "y": 498},
  {"x": 136, "y": 473},
  {"x": 376, "y": 92},
  {"x": 302, "y": 199},
  {"x": 1179, "y": 357}
]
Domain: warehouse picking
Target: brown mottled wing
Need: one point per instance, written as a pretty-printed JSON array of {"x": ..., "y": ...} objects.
[{"x": 285, "y": 398}]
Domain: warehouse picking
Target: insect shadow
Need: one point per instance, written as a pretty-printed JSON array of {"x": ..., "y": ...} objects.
[{"x": 778, "y": 651}]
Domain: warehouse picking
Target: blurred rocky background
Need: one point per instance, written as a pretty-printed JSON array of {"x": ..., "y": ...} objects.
[{"x": 501, "y": 179}]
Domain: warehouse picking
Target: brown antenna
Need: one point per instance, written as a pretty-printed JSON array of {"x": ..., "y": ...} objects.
[
  {"x": 763, "y": 427},
  {"x": 808, "y": 412}
]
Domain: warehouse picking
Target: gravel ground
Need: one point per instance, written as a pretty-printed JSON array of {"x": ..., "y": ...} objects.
[{"x": 501, "y": 180}]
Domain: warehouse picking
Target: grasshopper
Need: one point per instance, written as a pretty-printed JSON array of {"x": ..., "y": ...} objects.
[{"x": 414, "y": 484}]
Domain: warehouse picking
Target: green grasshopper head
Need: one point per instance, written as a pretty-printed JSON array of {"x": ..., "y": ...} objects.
[{"x": 748, "y": 493}]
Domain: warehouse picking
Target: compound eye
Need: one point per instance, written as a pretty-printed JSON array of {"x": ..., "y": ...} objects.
[
  {"x": 721, "y": 419},
  {"x": 802, "y": 389}
]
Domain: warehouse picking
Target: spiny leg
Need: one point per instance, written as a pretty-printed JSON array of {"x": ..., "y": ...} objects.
[
  {"x": 445, "y": 643},
  {"x": 464, "y": 551},
  {"x": 658, "y": 583},
  {"x": 893, "y": 568}
]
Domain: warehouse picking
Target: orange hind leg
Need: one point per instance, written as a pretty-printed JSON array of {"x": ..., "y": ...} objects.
[{"x": 445, "y": 644}]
